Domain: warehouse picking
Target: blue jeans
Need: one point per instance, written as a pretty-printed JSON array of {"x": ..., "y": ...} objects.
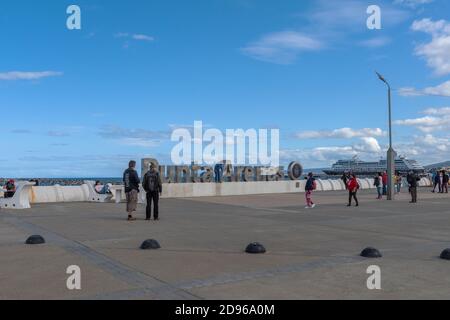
[
  {"x": 218, "y": 173},
  {"x": 380, "y": 192}
]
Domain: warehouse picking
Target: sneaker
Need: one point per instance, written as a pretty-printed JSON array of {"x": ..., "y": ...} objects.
[
  {"x": 313, "y": 206},
  {"x": 307, "y": 207},
  {"x": 131, "y": 219}
]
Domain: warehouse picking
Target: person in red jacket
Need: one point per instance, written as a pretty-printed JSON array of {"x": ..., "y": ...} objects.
[
  {"x": 353, "y": 187},
  {"x": 385, "y": 183}
]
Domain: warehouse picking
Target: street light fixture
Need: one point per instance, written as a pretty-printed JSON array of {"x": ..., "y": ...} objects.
[{"x": 391, "y": 155}]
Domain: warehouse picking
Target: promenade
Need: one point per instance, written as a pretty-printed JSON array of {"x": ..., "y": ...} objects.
[{"x": 311, "y": 254}]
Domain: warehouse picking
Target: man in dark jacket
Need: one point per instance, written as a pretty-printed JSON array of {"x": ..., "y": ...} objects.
[
  {"x": 153, "y": 187},
  {"x": 413, "y": 180},
  {"x": 131, "y": 182},
  {"x": 445, "y": 181}
]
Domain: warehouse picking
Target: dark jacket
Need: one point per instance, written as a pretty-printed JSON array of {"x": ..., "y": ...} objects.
[
  {"x": 377, "y": 181},
  {"x": 437, "y": 179},
  {"x": 412, "y": 180},
  {"x": 310, "y": 184},
  {"x": 445, "y": 179},
  {"x": 131, "y": 180},
  {"x": 152, "y": 182}
]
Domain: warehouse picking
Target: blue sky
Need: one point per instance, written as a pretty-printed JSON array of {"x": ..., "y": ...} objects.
[{"x": 83, "y": 102}]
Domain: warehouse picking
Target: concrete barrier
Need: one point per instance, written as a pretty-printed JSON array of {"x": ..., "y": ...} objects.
[
  {"x": 43, "y": 194},
  {"x": 57, "y": 193},
  {"x": 363, "y": 184},
  {"x": 338, "y": 185},
  {"x": 94, "y": 196},
  {"x": 371, "y": 181},
  {"x": 425, "y": 182},
  {"x": 325, "y": 185},
  {"x": 21, "y": 198}
]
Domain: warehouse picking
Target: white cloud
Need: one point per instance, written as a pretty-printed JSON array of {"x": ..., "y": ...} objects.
[
  {"x": 140, "y": 142},
  {"x": 442, "y": 90},
  {"x": 367, "y": 148},
  {"x": 137, "y": 37},
  {"x": 281, "y": 47},
  {"x": 343, "y": 133},
  {"x": 368, "y": 144},
  {"x": 350, "y": 15},
  {"x": 435, "y": 120},
  {"x": 438, "y": 111},
  {"x": 376, "y": 42},
  {"x": 142, "y": 37},
  {"x": 325, "y": 24},
  {"x": 19, "y": 75},
  {"x": 426, "y": 149},
  {"x": 436, "y": 52},
  {"x": 413, "y": 3},
  {"x": 134, "y": 137}
]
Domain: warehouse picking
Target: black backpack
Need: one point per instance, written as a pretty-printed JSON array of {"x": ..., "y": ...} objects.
[
  {"x": 310, "y": 184},
  {"x": 152, "y": 181}
]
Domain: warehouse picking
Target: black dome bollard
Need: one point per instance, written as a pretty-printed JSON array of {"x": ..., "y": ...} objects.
[
  {"x": 445, "y": 254},
  {"x": 36, "y": 239},
  {"x": 255, "y": 248},
  {"x": 150, "y": 244},
  {"x": 371, "y": 253}
]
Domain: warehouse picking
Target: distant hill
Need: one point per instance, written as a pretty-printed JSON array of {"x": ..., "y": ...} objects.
[{"x": 438, "y": 165}]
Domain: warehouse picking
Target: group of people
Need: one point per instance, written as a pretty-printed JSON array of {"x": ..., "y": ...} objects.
[
  {"x": 151, "y": 184},
  {"x": 102, "y": 188},
  {"x": 9, "y": 189},
  {"x": 351, "y": 183},
  {"x": 381, "y": 183},
  {"x": 440, "y": 180}
]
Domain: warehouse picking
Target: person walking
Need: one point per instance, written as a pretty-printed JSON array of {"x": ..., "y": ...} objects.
[
  {"x": 309, "y": 188},
  {"x": 445, "y": 181},
  {"x": 385, "y": 183},
  {"x": 153, "y": 187},
  {"x": 377, "y": 183},
  {"x": 413, "y": 180},
  {"x": 441, "y": 181},
  {"x": 345, "y": 179},
  {"x": 353, "y": 187},
  {"x": 398, "y": 182},
  {"x": 435, "y": 179},
  {"x": 131, "y": 182}
]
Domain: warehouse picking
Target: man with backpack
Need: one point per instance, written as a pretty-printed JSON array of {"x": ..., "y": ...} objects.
[
  {"x": 309, "y": 188},
  {"x": 413, "y": 180},
  {"x": 153, "y": 187}
]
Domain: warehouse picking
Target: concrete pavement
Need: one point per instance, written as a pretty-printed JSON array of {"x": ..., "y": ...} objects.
[{"x": 312, "y": 254}]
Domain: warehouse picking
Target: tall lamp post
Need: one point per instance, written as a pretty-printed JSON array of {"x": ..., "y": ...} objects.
[{"x": 391, "y": 155}]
